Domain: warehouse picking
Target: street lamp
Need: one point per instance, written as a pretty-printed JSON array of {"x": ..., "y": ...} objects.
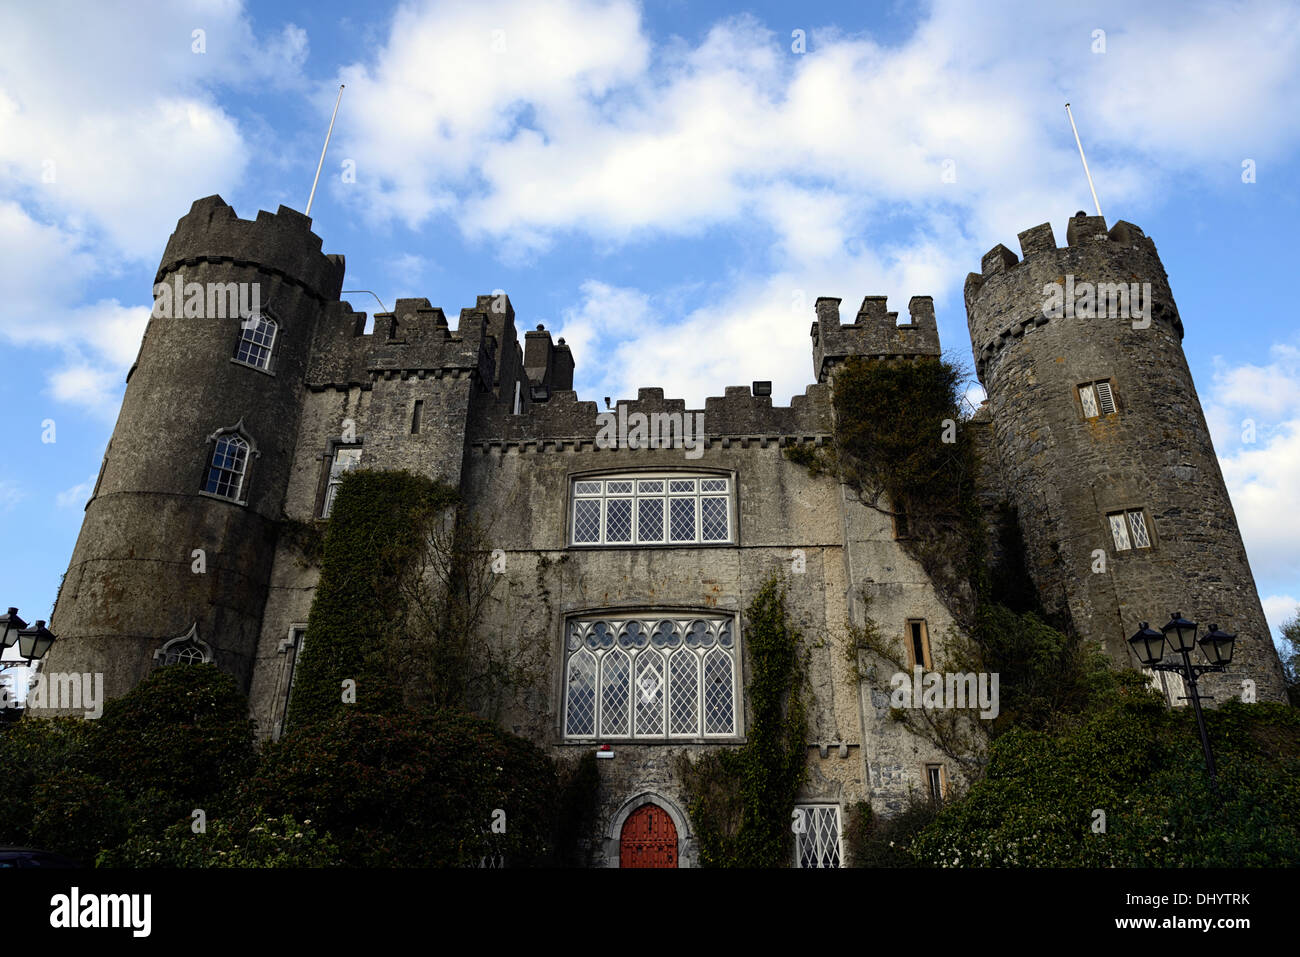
[
  {"x": 1180, "y": 635},
  {"x": 33, "y": 643}
]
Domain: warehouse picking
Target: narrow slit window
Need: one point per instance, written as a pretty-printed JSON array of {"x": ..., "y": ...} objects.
[
  {"x": 417, "y": 412},
  {"x": 935, "y": 782},
  {"x": 918, "y": 641}
]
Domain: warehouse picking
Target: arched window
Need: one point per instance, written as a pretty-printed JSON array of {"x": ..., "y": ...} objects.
[
  {"x": 227, "y": 467},
  {"x": 185, "y": 649},
  {"x": 256, "y": 340}
]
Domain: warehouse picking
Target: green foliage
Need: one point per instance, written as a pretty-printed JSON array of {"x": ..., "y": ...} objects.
[
  {"x": 412, "y": 789},
  {"x": 903, "y": 446},
  {"x": 1140, "y": 763},
  {"x": 184, "y": 731},
  {"x": 377, "y": 528},
  {"x": 1046, "y": 676},
  {"x": 740, "y": 799},
  {"x": 180, "y": 740},
  {"x": 1290, "y": 655},
  {"x": 872, "y": 841},
  {"x": 247, "y": 839}
]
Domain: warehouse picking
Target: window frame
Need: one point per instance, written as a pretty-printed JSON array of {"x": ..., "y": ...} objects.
[
  {"x": 927, "y": 664},
  {"x": 1096, "y": 398},
  {"x": 328, "y": 481},
  {"x": 667, "y": 496},
  {"x": 617, "y": 620},
  {"x": 810, "y": 829},
  {"x": 1126, "y": 514},
  {"x": 237, "y": 431},
  {"x": 929, "y": 768},
  {"x": 264, "y": 317}
]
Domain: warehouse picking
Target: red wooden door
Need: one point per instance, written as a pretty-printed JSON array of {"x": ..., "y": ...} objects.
[{"x": 649, "y": 839}]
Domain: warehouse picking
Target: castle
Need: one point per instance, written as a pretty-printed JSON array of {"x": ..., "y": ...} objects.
[{"x": 632, "y": 565}]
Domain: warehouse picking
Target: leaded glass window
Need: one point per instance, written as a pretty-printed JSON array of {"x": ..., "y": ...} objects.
[
  {"x": 650, "y": 677},
  {"x": 652, "y": 510},
  {"x": 1129, "y": 529},
  {"x": 1097, "y": 399},
  {"x": 817, "y": 835}
]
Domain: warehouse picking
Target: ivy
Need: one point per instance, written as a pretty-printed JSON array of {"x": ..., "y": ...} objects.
[
  {"x": 376, "y": 531},
  {"x": 740, "y": 799}
]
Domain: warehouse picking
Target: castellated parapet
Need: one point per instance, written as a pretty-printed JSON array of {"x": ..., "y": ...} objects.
[
  {"x": 874, "y": 333},
  {"x": 1144, "y": 456}
]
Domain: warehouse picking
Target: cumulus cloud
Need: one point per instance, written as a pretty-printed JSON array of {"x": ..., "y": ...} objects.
[
  {"x": 1254, "y": 416},
  {"x": 76, "y": 496}
]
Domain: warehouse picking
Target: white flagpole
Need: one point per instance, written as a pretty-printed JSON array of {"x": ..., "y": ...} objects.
[
  {"x": 322, "y": 151},
  {"x": 1081, "y": 156}
]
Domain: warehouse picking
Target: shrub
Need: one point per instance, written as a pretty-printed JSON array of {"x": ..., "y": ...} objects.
[{"x": 413, "y": 789}]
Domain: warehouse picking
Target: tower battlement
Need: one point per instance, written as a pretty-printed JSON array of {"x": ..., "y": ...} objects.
[
  {"x": 279, "y": 243},
  {"x": 1011, "y": 296},
  {"x": 874, "y": 333}
]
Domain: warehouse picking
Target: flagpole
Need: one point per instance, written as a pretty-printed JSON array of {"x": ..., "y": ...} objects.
[
  {"x": 1081, "y": 156},
  {"x": 322, "y": 151}
]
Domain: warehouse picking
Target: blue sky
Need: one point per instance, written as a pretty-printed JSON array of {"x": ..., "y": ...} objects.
[{"x": 670, "y": 186}]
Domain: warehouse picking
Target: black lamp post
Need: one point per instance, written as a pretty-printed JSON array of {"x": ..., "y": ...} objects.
[
  {"x": 1180, "y": 635},
  {"x": 33, "y": 642}
]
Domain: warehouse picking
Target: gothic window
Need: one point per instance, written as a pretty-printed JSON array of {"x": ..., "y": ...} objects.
[
  {"x": 650, "y": 678},
  {"x": 1129, "y": 529},
  {"x": 652, "y": 509},
  {"x": 256, "y": 340},
  {"x": 228, "y": 465},
  {"x": 1097, "y": 399},
  {"x": 186, "y": 649},
  {"x": 345, "y": 458},
  {"x": 918, "y": 644},
  {"x": 817, "y": 835}
]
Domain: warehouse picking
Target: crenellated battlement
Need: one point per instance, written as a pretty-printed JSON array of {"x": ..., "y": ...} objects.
[
  {"x": 738, "y": 413},
  {"x": 1012, "y": 295},
  {"x": 875, "y": 332},
  {"x": 279, "y": 243}
]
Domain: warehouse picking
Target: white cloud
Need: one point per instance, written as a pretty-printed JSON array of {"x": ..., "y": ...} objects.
[
  {"x": 76, "y": 496},
  {"x": 1279, "y": 609},
  {"x": 1262, "y": 475}
]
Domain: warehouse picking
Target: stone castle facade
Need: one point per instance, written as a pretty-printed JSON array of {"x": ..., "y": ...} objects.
[{"x": 631, "y": 566}]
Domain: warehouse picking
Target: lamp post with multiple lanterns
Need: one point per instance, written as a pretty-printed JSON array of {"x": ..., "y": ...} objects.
[
  {"x": 33, "y": 642},
  {"x": 1180, "y": 635}
]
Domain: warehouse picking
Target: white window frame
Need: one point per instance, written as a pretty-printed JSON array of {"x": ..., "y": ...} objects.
[
  {"x": 1124, "y": 531},
  {"x": 249, "y": 333},
  {"x": 577, "y": 646},
  {"x": 1097, "y": 399},
  {"x": 336, "y": 474},
  {"x": 811, "y": 815},
  {"x": 636, "y": 492},
  {"x": 239, "y": 470}
]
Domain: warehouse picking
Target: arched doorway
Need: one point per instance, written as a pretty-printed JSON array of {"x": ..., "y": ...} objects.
[{"x": 648, "y": 839}]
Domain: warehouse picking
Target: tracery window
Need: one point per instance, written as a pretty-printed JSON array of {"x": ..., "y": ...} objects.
[
  {"x": 652, "y": 509},
  {"x": 650, "y": 677}
]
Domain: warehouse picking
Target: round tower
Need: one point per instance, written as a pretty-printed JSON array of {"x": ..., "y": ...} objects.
[
  {"x": 1103, "y": 446},
  {"x": 174, "y": 555}
]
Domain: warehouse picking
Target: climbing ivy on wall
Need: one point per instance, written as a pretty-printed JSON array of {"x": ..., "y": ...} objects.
[
  {"x": 902, "y": 445},
  {"x": 740, "y": 799},
  {"x": 377, "y": 529}
]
